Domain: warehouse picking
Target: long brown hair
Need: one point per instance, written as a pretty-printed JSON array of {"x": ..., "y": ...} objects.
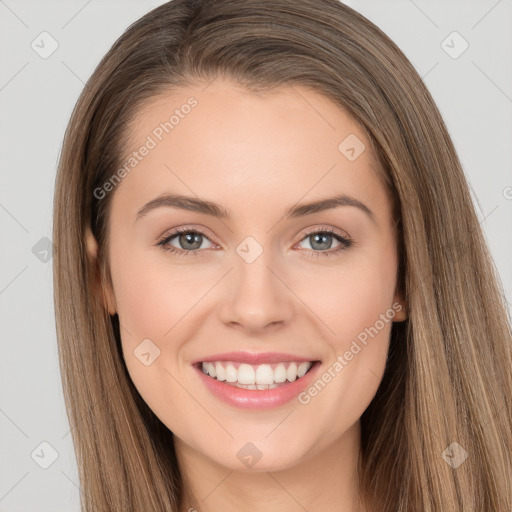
[{"x": 449, "y": 372}]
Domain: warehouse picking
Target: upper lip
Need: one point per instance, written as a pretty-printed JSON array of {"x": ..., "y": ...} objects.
[{"x": 254, "y": 358}]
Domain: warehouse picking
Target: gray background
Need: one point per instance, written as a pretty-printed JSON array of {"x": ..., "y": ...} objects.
[{"x": 473, "y": 92}]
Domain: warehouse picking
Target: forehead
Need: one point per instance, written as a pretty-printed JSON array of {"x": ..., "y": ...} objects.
[{"x": 287, "y": 145}]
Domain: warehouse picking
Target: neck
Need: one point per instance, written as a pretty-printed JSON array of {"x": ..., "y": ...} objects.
[{"x": 327, "y": 480}]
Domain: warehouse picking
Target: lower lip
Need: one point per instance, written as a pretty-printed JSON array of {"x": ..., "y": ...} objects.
[{"x": 258, "y": 399}]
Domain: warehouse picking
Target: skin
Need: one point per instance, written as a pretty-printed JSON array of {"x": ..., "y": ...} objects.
[{"x": 255, "y": 155}]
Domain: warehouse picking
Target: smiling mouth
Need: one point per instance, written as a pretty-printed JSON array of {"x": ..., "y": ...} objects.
[{"x": 256, "y": 377}]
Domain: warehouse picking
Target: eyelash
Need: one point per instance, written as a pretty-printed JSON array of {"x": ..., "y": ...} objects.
[{"x": 346, "y": 243}]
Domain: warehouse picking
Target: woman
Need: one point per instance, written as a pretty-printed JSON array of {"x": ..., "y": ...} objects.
[{"x": 335, "y": 337}]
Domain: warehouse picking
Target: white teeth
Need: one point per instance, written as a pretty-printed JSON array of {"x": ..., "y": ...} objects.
[
  {"x": 246, "y": 374},
  {"x": 291, "y": 372},
  {"x": 302, "y": 369},
  {"x": 279, "y": 373},
  {"x": 252, "y": 386},
  {"x": 211, "y": 369},
  {"x": 263, "y": 376},
  {"x": 231, "y": 373},
  {"x": 219, "y": 370}
]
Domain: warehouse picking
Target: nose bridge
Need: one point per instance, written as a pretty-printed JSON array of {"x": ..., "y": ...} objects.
[{"x": 258, "y": 297}]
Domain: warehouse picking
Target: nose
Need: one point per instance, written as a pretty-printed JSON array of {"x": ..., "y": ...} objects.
[{"x": 258, "y": 298}]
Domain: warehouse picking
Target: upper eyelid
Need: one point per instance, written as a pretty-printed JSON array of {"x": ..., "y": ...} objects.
[
  {"x": 321, "y": 229},
  {"x": 176, "y": 231}
]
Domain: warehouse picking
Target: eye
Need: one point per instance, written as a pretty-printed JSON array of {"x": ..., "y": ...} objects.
[
  {"x": 320, "y": 240},
  {"x": 190, "y": 241}
]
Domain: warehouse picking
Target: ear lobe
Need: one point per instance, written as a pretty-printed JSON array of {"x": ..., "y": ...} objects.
[
  {"x": 91, "y": 244},
  {"x": 102, "y": 290},
  {"x": 400, "y": 308}
]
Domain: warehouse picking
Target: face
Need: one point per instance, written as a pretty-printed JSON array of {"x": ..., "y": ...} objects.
[{"x": 290, "y": 307}]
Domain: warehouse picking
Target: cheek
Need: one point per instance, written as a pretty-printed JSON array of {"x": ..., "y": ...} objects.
[
  {"x": 153, "y": 295},
  {"x": 350, "y": 297},
  {"x": 355, "y": 302},
  {"x": 155, "y": 301},
  {"x": 358, "y": 308}
]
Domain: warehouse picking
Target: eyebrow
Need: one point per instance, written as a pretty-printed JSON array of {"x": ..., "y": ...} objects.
[{"x": 198, "y": 205}]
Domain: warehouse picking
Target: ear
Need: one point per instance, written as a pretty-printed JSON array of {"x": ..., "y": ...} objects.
[
  {"x": 399, "y": 307},
  {"x": 103, "y": 291}
]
